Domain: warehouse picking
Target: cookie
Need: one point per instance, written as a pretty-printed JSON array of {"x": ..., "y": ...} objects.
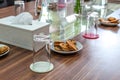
[
  {"x": 64, "y": 47},
  {"x": 3, "y": 49},
  {"x": 57, "y": 48},
  {"x": 73, "y": 46},
  {"x": 72, "y": 41},
  {"x": 69, "y": 45},
  {"x": 114, "y": 21},
  {"x": 57, "y": 43},
  {"x": 111, "y": 18}
]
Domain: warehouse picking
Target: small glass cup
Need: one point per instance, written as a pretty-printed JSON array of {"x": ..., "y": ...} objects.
[
  {"x": 91, "y": 28},
  {"x": 38, "y": 7},
  {"x": 41, "y": 61},
  {"x": 19, "y": 6},
  {"x": 85, "y": 11},
  {"x": 101, "y": 7}
]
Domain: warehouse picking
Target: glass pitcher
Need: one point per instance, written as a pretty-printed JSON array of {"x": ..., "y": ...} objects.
[{"x": 56, "y": 12}]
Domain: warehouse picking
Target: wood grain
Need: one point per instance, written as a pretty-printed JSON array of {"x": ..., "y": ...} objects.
[
  {"x": 98, "y": 60},
  {"x": 10, "y": 11}
]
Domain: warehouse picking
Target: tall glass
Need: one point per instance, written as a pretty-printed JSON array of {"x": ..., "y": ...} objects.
[
  {"x": 85, "y": 11},
  {"x": 101, "y": 7},
  {"x": 19, "y": 6},
  {"x": 91, "y": 21},
  {"x": 39, "y": 8},
  {"x": 41, "y": 59},
  {"x": 92, "y": 25},
  {"x": 56, "y": 12}
]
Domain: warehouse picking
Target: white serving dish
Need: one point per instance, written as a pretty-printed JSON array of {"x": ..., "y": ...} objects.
[
  {"x": 78, "y": 44},
  {"x": 5, "y": 53},
  {"x": 109, "y": 24}
]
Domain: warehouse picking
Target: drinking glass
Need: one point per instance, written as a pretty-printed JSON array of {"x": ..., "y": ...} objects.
[
  {"x": 101, "y": 7},
  {"x": 38, "y": 7},
  {"x": 85, "y": 11},
  {"x": 19, "y": 6},
  {"x": 41, "y": 59},
  {"x": 56, "y": 13},
  {"x": 92, "y": 24},
  {"x": 91, "y": 18}
]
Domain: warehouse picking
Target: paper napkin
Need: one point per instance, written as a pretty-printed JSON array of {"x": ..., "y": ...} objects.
[{"x": 24, "y": 18}]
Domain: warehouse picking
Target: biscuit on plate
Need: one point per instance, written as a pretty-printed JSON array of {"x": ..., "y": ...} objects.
[
  {"x": 111, "y": 18},
  {"x": 73, "y": 46},
  {"x": 114, "y": 21},
  {"x": 64, "y": 47},
  {"x": 3, "y": 49},
  {"x": 57, "y": 48},
  {"x": 72, "y": 41},
  {"x": 56, "y": 43}
]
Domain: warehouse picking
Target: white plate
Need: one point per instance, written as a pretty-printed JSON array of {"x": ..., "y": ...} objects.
[
  {"x": 78, "y": 44},
  {"x": 4, "y": 52},
  {"x": 109, "y": 24}
]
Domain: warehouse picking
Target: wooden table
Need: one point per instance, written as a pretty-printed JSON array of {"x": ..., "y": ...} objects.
[
  {"x": 98, "y": 60},
  {"x": 10, "y": 11}
]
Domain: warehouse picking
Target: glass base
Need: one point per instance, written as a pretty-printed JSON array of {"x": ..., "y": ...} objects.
[
  {"x": 41, "y": 67},
  {"x": 90, "y": 36}
]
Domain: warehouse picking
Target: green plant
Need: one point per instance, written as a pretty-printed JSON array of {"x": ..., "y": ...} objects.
[{"x": 77, "y": 7}]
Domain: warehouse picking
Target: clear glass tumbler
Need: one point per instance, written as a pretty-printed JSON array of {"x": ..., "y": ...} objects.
[
  {"x": 92, "y": 24},
  {"x": 101, "y": 7},
  {"x": 19, "y": 6},
  {"x": 41, "y": 59}
]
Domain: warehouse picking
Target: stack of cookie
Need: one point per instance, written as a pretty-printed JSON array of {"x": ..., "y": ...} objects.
[
  {"x": 69, "y": 45},
  {"x": 110, "y": 20},
  {"x": 3, "y": 49}
]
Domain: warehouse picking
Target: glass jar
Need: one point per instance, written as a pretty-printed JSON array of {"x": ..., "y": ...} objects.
[{"x": 56, "y": 12}]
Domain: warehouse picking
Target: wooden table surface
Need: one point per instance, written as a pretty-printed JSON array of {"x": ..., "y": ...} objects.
[
  {"x": 98, "y": 60},
  {"x": 10, "y": 11}
]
